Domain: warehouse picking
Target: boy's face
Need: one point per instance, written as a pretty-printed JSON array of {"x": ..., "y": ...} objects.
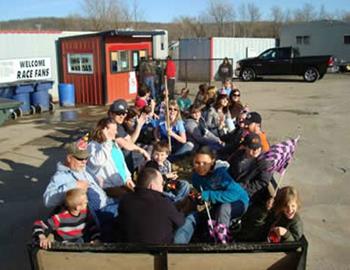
[
  {"x": 159, "y": 157},
  {"x": 253, "y": 153},
  {"x": 290, "y": 209},
  {"x": 82, "y": 202},
  {"x": 202, "y": 164}
]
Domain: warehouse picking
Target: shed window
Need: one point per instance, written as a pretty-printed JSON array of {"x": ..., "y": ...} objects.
[
  {"x": 347, "y": 39},
  {"x": 81, "y": 63},
  {"x": 120, "y": 61}
]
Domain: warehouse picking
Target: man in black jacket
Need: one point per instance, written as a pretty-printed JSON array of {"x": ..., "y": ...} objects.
[
  {"x": 146, "y": 216},
  {"x": 249, "y": 171}
]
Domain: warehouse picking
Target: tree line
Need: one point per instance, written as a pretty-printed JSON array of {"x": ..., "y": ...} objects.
[{"x": 219, "y": 18}]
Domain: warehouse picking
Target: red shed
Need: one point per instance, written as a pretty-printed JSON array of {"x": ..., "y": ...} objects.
[{"x": 101, "y": 66}]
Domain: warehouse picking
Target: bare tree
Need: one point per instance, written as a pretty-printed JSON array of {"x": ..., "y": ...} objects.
[
  {"x": 306, "y": 14},
  {"x": 323, "y": 14},
  {"x": 105, "y": 14},
  {"x": 254, "y": 15},
  {"x": 190, "y": 26},
  {"x": 243, "y": 18},
  {"x": 277, "y": 17},
  {"x": 221, "y": 12},
  {"x": 137, "y": 13}
]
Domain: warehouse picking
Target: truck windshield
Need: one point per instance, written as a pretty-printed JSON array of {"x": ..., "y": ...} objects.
[{"x": 270, "y": 54}]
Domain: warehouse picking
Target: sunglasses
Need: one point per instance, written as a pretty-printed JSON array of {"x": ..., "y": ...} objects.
[
  {"x": 173, "y": 109},
  {"x": 80, "y": 159},
  {"x": 120, "y": 113},
  {"x": 236, "y": 95}
]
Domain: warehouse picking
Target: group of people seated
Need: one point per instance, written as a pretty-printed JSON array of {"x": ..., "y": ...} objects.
[{"x": 117, "y": 183}]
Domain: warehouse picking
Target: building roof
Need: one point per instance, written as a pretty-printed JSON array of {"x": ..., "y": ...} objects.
[{"x": 122, "y": 32}]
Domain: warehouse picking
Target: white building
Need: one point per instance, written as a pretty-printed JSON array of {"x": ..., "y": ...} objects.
[
  {"x": 18, "y": 48},
  {"x": 194, "y": 54},
  {"x": 318, "y": 38}
]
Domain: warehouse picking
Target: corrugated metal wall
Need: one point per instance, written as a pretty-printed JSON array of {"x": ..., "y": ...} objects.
[
  {"x": 326, "y": 37},
  {"x": 25, "y": 44},
  {"x": 236, "y": 48},
  {"x": 88, "y": 87},
  {"x": 239, "y": 48},
  {"x": 197, "y": 70}
]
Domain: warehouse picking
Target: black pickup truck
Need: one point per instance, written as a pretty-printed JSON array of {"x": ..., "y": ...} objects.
[{"x": 284, "y": 61}]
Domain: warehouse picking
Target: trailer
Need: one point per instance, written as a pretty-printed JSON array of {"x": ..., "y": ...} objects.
[{"x": 243, "y": 256}]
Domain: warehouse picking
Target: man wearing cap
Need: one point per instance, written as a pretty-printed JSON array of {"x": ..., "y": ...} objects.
[
  {"x": 118, "y": 111},
  {"x": 253, "y": 124},
  {"x": 72, "y": 174},
  {"x": 249, "y": 171}
]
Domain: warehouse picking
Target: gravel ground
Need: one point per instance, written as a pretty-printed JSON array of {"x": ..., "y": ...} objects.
[{"x": 31, "y": 146}]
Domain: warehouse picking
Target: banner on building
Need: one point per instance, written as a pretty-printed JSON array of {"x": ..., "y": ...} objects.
[{"x": 25, "y": 69}]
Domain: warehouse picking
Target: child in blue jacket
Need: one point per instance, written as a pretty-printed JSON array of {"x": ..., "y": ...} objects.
[{"x": 229, "y": 199}]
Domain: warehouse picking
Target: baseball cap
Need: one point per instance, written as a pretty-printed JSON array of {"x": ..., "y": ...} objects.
[
  {"x": 252, "y": 141},
  {"x": 119, "y": 105},
  {"x": 78, "y": 149},
  {"x": 253, "y": 117}
]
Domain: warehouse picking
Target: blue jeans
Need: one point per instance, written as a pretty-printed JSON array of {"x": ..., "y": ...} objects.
[
  {"x": 184, "y": 234},
  {"x": 225, "y": 212},
  {"x": 149, "y": 81},
  {"x": 179, "y": 150},
  {"x": 181, "y": 192},
  {"x": 105, "y": 217}
]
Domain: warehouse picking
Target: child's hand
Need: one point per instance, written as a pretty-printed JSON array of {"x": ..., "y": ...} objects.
[
  {"x": 44, "y": 242},
  {"x": 130, "y": 184},
  {"x": 280, "y": 231},
  {"x": 172, "y": 176},
  {"x": 269, "y": 203}
]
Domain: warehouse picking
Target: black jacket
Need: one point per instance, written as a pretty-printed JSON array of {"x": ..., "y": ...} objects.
[
  {"x": 146, "y": 216},
  {"x": 250, "y": 173}
]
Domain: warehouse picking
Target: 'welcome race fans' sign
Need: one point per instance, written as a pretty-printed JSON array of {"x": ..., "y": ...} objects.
[{"x": 25, "y": 69}]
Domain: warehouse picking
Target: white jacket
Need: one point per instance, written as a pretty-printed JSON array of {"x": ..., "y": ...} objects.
[{"x": 101, "y": 165}]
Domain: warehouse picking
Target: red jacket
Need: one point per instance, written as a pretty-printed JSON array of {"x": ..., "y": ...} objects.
[{"x": 170, "y": 69}]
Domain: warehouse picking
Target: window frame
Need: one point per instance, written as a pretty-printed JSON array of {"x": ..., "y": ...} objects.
[
  {"x": 118, "y": 52},
  {"x": 80, "y": 56}
]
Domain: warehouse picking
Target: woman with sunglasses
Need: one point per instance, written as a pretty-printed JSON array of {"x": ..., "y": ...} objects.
[
  {"x": 107, "y": 161},
  {"x": 235, "y": 106},
  {"x": 179, "y": 143}
]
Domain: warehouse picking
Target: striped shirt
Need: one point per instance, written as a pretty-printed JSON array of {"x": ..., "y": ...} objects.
[{"x": 67, "y": 227}]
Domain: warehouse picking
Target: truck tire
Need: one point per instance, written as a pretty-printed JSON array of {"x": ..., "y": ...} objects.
[
  {"x": 311, "y": 74},
  {"x": 248, "y": 74}
]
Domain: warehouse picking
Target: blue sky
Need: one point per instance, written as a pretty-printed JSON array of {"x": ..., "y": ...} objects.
[{"x": 153, "y": 10}]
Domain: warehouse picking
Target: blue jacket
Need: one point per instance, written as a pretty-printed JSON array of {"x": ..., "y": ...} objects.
[
  {"x": 65, "y": 179},
  {"x": 219, "y": 187}
]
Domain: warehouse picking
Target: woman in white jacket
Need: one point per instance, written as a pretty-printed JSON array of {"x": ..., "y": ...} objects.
[{"x": 107, "y": 161}]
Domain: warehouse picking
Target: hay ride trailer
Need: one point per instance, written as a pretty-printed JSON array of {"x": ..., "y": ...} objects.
[{"x": 243, "y": 256}]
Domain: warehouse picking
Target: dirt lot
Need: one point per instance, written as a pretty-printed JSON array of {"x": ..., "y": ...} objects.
[{"x": 31, "y": 146}]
